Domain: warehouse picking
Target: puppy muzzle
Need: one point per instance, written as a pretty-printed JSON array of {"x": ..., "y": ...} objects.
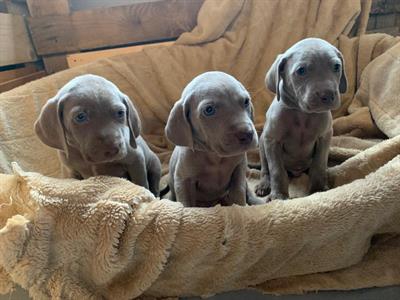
[{"x": 106, "y": 153}]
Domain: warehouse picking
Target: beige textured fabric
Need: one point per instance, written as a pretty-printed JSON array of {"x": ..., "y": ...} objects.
[{"x": 107, "y": 237}]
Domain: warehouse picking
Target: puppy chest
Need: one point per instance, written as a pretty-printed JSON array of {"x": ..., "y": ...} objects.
[
  {"x": 302, "y": 130},
  {"x": 212, "y": 183},
  {"x": 116, "y": 170},
  {"x": 299, "y": 140},
  {"x": 213, "y": 180}
]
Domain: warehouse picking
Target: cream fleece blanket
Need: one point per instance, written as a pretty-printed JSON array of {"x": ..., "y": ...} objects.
[{"x": 105, "y": 237}]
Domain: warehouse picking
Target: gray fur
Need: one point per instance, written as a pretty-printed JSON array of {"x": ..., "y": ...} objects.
[
  {"x": 298, "y": 127},
  {"x": 108, "y": 142}
]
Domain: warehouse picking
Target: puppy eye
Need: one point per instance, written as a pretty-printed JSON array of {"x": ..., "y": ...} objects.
[
  {"x": 246, "y": 102},
  {"x": 120, "y": 114},
  {"x": 301, "y": 71},
  {"x": 209, "y": 110},
  {"x": 81, "y": 117},
  {"x": 336, "y": 67}
]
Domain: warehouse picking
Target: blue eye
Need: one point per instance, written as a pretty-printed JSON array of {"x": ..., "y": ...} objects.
[
  {"x": 120, "y": 114},
  {"x": 81, "y": 117},
  {"x": 246, "y": 102},
  {"x": 336, "y": 67},
  {"x": 301, "y": 71},
  {"x": 209, "y": 110}
]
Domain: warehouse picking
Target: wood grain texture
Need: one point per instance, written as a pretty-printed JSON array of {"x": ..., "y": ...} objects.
[
  {"x": 16, "y": 8},
  {"x": 15, "y": 44},
  {"x": 77, "y": 59},
  {"x": 39, "y": 8},
  {"x": 18, "y": 72},
  {"x": 55, "y": 63},
  {"x": 113, "y": 26},
  {"x": 8, "y": 85},
  {"x": 96, "y": 4}
]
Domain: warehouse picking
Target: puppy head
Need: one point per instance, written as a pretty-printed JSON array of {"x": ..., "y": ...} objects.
[
  {"x": 214, "y": 114},
  {"x": 310, "y": 76},
  {"x": 91, "y": 115}
]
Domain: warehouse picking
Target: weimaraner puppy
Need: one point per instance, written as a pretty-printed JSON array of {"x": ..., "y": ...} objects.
[
  {"x": 307, "y": 79},
  {"x": 212, "y": 127},
  {"x": 96, "y": 129}
]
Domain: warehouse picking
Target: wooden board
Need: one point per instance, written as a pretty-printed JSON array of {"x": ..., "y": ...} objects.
[
  {"x": 113, "y": 26},
  {"x": 39, "y": 8},
  {"x": 55, "y": 63},
  {"x": 8, "y": 85},
  {"x": 16, "y": 8},
  {"x": 18, "y": 72},
  {"x": 3, "y": 7},
  {"x": 77, "y": 59},
  {"x": 15, "y": 45},
  {"x": 96, "y": 4}
]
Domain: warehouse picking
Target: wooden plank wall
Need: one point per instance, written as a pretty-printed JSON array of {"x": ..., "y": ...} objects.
[
  {"x": 18, "y": 61},
  {"x": 57, "y": 34},
  {"x": 112, "y": 26},
  {"x": 20, "y": 80},
  {"x": 39, "y": 9},
  {"x": 96, "y": 4},
  {"x": 77, "y": 59},
  {"x": 58, "y": 30},
  {"x": 15, "y": 45},
  {"x": 384, "y": 17}
]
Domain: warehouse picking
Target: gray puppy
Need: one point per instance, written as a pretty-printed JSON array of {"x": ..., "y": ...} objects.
[
  {"x": 212, "y": 127},
  {"x": 307, "y": 80},
  {"x": 96, "y": 129}
]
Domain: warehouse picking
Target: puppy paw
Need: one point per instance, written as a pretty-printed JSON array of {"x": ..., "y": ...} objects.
[
  {"x": 318, "y": 186},
  {"x": 262, "y": 189},
  {"x": 276, "y": 196},
  {"x": 255, "y": 201}
]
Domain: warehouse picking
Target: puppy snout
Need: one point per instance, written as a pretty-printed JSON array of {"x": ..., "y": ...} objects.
[
  {"x": 326, "y": 97},
  {"x": 245, "y": 136},
  {"x": 111, "y": 148},
  {"x": 112, "y": 151}
]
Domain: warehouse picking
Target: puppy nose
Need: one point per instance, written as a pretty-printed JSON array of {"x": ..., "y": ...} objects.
[
  {"x": 111, "y": 152},
  {"x": 245, "y": 136},
  {"x": 326, "y": 96}
]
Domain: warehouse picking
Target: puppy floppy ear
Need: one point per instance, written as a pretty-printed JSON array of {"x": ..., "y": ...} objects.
[
  {"x": 49, "y": 126},
  {"x": 133, "y": 119},
  {"x": 343, "y": 79},
  {"x": 251, "y": 111},
  {"x": 178, "y": 129},
  {"x": 274, "y": 75}
]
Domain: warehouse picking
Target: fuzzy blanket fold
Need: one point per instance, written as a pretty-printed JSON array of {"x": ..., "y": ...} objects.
[{"x": 105, "y": 237}]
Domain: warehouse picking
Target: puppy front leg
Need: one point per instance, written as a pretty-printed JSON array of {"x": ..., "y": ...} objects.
[
  {"x": 237, "y": 186},
  {"x": 69, "y": 173},
  {"x": 185, "y": 192},
  {"x": 76, "y": 175},
  {"x": 277, "y": 172},
  {"x": 319, "y": 165},
  {"x": 263, "y": 187},
  {"x": 252, "y": 199},
  {"x": 67, "y": 170},
  {"x": 154, "y": 174},
  {"x": 138, "y": 172}
]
